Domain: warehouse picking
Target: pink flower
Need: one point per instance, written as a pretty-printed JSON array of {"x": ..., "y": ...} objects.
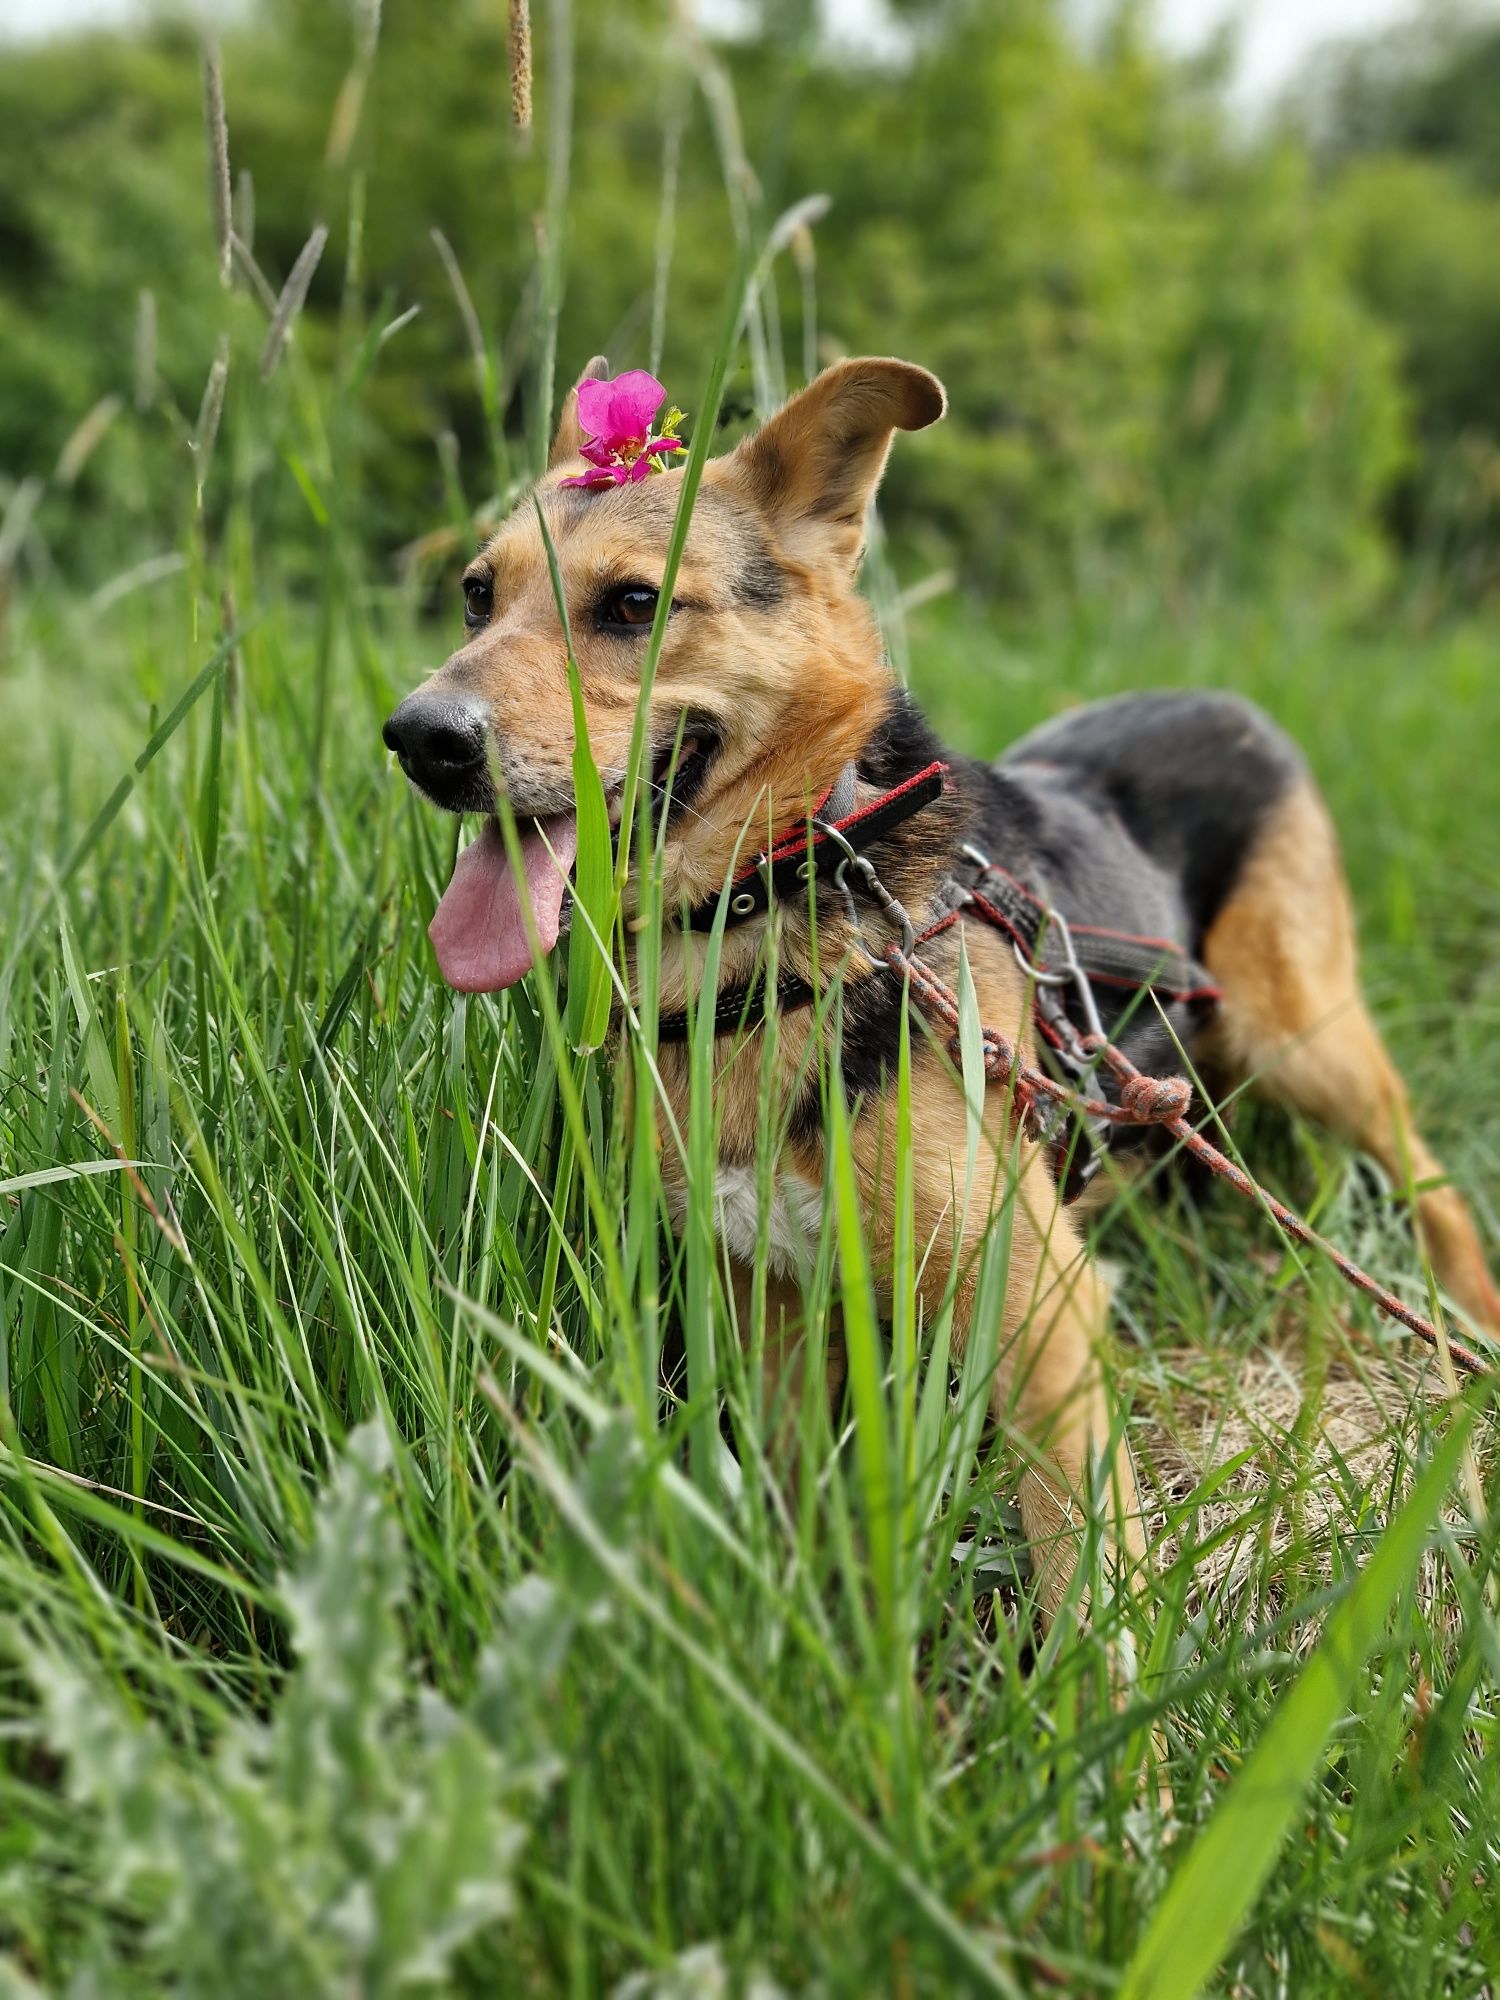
[{"x": 616, "y": 418}]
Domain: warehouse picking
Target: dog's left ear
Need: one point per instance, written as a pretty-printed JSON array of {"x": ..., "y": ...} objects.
[
  {"x": 569, "y": 439},
  {"x": 814, "y": 467}
]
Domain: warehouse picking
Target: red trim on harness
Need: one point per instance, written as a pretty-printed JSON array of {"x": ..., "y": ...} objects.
[
  {"x": 1183, "y": 993},
  {"x": 1086, "y": 930},
  {"x": 794, "y": 841},
  {"x": 993, "y": 914},
  {"x": 936, "y": 769},
  {"x": 785, "y": 845}
]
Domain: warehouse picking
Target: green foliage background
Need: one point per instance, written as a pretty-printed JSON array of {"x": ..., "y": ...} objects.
[
  {"x": 366, "y": 1623},
  {"x": 1256, "y": 361}
]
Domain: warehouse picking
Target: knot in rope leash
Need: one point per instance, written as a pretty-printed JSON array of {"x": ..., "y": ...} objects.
[
  {"x": 1155, "y": 1100},
  {"x": 1143, "y": 1100}
]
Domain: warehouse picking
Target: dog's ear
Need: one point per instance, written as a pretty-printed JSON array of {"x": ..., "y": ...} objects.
[
  {"x": 814, "y": 467},
  {"x": 569, "y": 437}
]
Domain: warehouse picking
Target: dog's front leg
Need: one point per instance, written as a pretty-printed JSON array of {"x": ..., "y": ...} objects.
[
  {"x": 1049, "y": 1390},
  {"x": 1049, "y": 1393},
  {"x": 787, "y": 1349}
]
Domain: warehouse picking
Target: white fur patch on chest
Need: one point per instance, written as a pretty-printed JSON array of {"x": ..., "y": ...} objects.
[{"x": 794, "y": 1224}]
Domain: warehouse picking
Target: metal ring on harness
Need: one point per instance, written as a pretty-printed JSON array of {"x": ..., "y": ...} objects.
[
  {"x": 1040, "y": 975},
  {"x": 890, "y": 907},
  {"x": 1073, "y": 971},
  {"x": 1076, "y": 1169}
]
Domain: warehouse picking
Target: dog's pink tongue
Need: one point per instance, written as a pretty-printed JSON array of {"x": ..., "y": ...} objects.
[{"x": 479, "y": 931}]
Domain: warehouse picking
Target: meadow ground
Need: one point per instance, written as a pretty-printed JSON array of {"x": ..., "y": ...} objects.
[{"x": 369, "y": 1624}]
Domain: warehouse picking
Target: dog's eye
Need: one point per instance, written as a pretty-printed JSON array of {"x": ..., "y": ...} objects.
[
  {"x": 629, "y": 607},
  {"x": 479, "y": 599}
]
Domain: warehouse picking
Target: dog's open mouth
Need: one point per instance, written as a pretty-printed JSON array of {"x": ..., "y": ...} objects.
[
  {"x": 479, "y": 929},
  {"x": 679, "y": 770}
]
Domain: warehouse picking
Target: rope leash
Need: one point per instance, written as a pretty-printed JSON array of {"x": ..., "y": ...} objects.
[
  {"x": 1143, "y": 1100},
  {"x": 832, "y": 847}
]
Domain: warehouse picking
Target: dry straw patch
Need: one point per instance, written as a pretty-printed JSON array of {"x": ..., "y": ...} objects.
[{"x": 1309, "y": 1477}]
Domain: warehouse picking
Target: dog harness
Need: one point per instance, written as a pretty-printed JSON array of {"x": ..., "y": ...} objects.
[
  {"x": 831, "y": 846},
  {"x": 1096, "y": 1092},
  {"x": 841, "y": 830}
]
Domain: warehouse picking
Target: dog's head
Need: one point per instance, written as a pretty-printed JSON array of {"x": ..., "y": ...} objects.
[{"x": 770, "y": 678}]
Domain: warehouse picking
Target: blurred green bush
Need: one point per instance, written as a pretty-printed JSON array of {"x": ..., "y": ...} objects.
[
  {"x": 1169, "y": 351},
  {"x": 1408, "y": 126}
]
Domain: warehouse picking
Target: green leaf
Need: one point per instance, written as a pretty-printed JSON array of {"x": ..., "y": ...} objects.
[
  {"x": 104, "y": 1089},
  {"x": 594, "y": 894},
  {"x": 866, "y": 1351}
]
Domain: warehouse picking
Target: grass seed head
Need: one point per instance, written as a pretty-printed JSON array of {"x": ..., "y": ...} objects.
[
  {"x": 217, "y": 126},
  {"x": 211, "y": 408},
  {"x": 244, "y": 208},
  {"x": 84, "y": 439},
  {"x": 15, "y": 520},
  {"x": 293, "y": 298},
  {"x": 520, "y": 64},
  {"x": 145, "y": 350}
]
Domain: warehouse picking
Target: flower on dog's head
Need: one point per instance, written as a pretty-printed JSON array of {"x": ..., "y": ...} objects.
[{"x": 616, "y": 418}]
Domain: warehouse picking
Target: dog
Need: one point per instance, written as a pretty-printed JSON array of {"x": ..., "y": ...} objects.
[{"x": 1189, "y": 820}]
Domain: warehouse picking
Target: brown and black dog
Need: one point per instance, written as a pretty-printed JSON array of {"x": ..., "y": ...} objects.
[{"x": 1185, "y": 816}]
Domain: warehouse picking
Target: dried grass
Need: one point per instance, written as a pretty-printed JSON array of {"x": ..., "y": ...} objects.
[{"x": 1324, "y": 1474}]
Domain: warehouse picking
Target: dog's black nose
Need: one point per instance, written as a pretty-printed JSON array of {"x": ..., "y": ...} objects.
[
  {"x": 441, "y": 746},
  {"x": 428, "y": 731}
]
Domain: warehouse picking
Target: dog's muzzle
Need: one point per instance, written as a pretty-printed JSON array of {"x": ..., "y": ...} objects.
[{"x": 441, "y": 747}]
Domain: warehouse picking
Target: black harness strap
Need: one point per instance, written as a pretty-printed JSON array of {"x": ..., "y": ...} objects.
[
  {"x": 740, "y": 1008},
  {"x": 795, "y": 860},
  {"x": 840, "y": 831},
  {"x": 1111, "y": 958}
]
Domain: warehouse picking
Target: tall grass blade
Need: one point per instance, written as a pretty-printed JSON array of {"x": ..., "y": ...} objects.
[
  {"x": 1212, "y": 1892},
  {"x": 290, "y": 303}
]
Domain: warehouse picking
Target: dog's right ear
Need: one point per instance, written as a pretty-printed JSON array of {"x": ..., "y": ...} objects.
[
  {"x": 569, "y": 440},
  {"x": 814, "y": 467}
]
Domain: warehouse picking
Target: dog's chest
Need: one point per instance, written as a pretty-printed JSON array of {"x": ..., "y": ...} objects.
[{"x": 793, "y": 1220}]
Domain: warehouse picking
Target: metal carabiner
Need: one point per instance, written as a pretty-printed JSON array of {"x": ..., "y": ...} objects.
[
  {"x": 890, "y": 907},
  {"x": 1074, "y": 972},
  {"x": 1040, "y": 975}
]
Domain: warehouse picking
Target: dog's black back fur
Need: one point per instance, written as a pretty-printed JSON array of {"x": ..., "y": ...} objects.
[
  {"x": 1188, "y": 779},
  {"x": 1133, "y": 815}
]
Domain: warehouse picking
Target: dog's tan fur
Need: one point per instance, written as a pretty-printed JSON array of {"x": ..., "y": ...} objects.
[
  {"x": 770, "y": 643},
  {"x": 1293, "y": 1017}
]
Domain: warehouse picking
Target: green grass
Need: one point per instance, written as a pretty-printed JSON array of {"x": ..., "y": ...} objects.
[
  {"x": 383, "y": 1609},
  {"x": 530, "y": 1699}
]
